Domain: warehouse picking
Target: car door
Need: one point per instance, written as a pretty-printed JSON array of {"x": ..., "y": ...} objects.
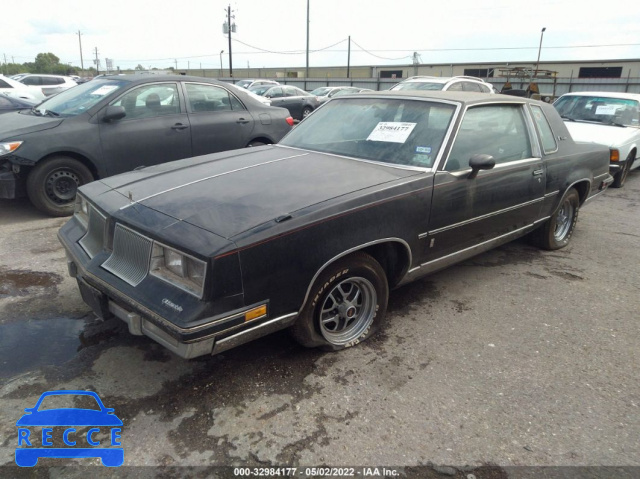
[
  {"x": 219, "y": 121},
  {"x": 278, "y": 98},
  {"x": 154, "y": 130},
  {"x": 466, "y": 211}
]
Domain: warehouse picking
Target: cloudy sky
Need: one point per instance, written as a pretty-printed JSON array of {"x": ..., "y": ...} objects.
[{"x": 273, "y": 33}]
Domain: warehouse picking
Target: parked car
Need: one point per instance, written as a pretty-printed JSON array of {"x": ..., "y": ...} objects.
[
  {"x": 457, "y": 83},
  {"x": 612, "y": 119},
  {"x": 248, "y": 84},
  {"x": 115, "y": 124},
  {"x": 297, "y": 101},
  {"x": 10, "y": 103},
  {"x": 326, "y": 93},
  {"x": 351, "y": 90},
  {"x": 20, "y": 90},
  {"x": 49, "y": 84},
  {"x": 368, "y": 193}
]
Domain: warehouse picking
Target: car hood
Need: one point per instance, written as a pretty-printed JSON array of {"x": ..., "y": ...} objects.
[
  {"x": 13, "y": 125},
  {"x": 608, "y": 135},
  {"x": 230, "y": 193}
]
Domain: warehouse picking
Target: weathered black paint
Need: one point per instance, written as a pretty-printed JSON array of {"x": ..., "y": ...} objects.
[{"x": 223, "y": 208}]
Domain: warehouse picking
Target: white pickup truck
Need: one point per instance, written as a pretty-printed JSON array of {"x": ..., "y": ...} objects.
[{"x": 609, "y": 118}]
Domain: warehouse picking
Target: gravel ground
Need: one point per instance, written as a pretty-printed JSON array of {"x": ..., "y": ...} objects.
[{"x": 517, "y": 357}]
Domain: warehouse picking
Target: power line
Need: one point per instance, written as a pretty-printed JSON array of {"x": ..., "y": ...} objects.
[{"x": 377, "y": 56}]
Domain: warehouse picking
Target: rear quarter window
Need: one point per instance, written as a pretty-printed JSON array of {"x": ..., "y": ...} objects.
[{"x": 547, "y": 137}]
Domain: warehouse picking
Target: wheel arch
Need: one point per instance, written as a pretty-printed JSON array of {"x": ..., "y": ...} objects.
[
  {"x": 76, "y": 156},
  {"x": 393, "y": 254},
  {"x": 264, "y": 139},
  {"x": 583, "y": 187}
]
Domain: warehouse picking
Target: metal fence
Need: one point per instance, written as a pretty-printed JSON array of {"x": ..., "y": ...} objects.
[{"x": 547, "y": 86}]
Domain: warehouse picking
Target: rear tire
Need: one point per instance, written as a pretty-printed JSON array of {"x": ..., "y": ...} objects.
[
  {"x": 306, "y": 111},
  {"x": 53, "y": 183},
  {"x": 556, "y": 232},
  {"x": 346, "y": 304}
]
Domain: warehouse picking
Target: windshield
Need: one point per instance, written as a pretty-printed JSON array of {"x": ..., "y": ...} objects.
[
  {"x": 322, "y": 91},
  {"x": 615, "y": 111},
  {"x": 79, "y": 99},
  {"x": 260, "y": 90},
  {"x": 244, "y": 83},
  {"x": 402, "y": 132},
  {"x": 415, "y": 85}
]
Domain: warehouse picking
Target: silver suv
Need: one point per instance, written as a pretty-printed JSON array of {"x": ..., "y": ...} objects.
[
  {"x": 247, "y": 84},
  {"x": 459, "y": 83},
  {"x": 50, "y": 84}
]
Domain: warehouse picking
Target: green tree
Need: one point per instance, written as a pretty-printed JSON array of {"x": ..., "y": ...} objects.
[
  {"x": 47, "y": 63},
  {"x": 139, "y": 67}
]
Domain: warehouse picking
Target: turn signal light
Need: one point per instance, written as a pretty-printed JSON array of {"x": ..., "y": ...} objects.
[
  {"x": 614, "y": 155},
  {"x": 255, "y": 313},
  {"x": 290, "y": 121}
]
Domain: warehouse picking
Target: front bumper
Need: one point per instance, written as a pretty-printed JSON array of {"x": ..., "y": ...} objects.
[
  {"x": 10, "y": 186},
  {"x": 211, "y": 336}
]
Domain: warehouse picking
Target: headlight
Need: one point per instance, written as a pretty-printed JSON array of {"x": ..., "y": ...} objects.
[
  {"x": 179, "y": 269},
  {"x": 81, "y": 210},
  {"x": 10, "y": 147}
]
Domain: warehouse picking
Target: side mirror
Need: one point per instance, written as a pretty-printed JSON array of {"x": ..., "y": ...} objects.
[
  {"x": 480, "y": 162},
  {"x": 114, "y": 113}
]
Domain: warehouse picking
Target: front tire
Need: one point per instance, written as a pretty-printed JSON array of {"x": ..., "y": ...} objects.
[
  {"x": 556, "y": 232},
  {"x": 53, "y": 183},
  {"x": 621, "y": 176},
  {"x": 346, "y": 304}
]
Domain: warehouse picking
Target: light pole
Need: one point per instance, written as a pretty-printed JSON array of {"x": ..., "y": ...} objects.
[
  {"x": 221, "y": 52},
  {"x": 539, "y": 50}
]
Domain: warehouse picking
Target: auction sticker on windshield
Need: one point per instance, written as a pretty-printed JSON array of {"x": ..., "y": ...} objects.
[
  {"x": 391, "y": 131},
  {"x": 104, "y": 90}
]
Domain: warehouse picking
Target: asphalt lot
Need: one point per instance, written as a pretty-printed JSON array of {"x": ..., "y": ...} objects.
[{"x": 517, "y": 357}]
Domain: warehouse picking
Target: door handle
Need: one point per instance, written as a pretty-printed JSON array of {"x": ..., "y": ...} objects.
[
  {"x": 538, "y": 172},
  {"x": 243, "y": 121},
  {"x": 179, "y": 126}
]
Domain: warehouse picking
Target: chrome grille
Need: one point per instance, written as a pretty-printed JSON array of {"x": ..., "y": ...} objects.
[
  {"x": 130, "y": 258},
  {"x": 92, "y": 241}
]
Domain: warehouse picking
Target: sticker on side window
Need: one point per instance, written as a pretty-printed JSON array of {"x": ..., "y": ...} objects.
[{"x": 391, "y": 131}]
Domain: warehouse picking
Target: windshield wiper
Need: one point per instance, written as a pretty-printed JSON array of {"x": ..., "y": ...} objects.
[
  {"x": 36, "y": 112},
  {"x": 51, "y": 113},
  {"x": 567, "y": 118},
  {"x": 615, "y": 123}
]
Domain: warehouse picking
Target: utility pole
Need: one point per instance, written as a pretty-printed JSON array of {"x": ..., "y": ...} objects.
[
  {"x": 230, "y": 28},
  {"x": 176, "y": 60},
  {"x": 349, "y": 57},
  {"x": 97, "y": 62},
  {"x": 306, "y": 75},
  {"x": 81, "y": 60}
]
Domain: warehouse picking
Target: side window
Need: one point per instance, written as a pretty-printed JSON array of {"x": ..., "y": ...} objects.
[
  {"x": 483, "y": 88},
  {"x": 207, "y": 98},
  {"x": 151, "y": 100},
  {"x": 290, "y": 91},
  {"x": 275, "y": 92},
  {"x": 52, "y": 81},
  {"x": 470, "y": 86},
  {"x": 455, "y": 87},
  {"x": 496, "y": 130},
  {"x": 31, "y": 80},
  {"x": 236, "y": 105},
  {"x": 4, "y": 84},
  {"x": 549, "y": 144}
]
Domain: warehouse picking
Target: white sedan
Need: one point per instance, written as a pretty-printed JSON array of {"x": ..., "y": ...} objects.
[
  {"x": 19, "y": 90},
  {"x": 608, "y": 118}
]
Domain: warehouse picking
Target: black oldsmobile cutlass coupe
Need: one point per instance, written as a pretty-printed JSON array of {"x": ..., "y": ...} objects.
[{"x": 368, "y": 193}]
